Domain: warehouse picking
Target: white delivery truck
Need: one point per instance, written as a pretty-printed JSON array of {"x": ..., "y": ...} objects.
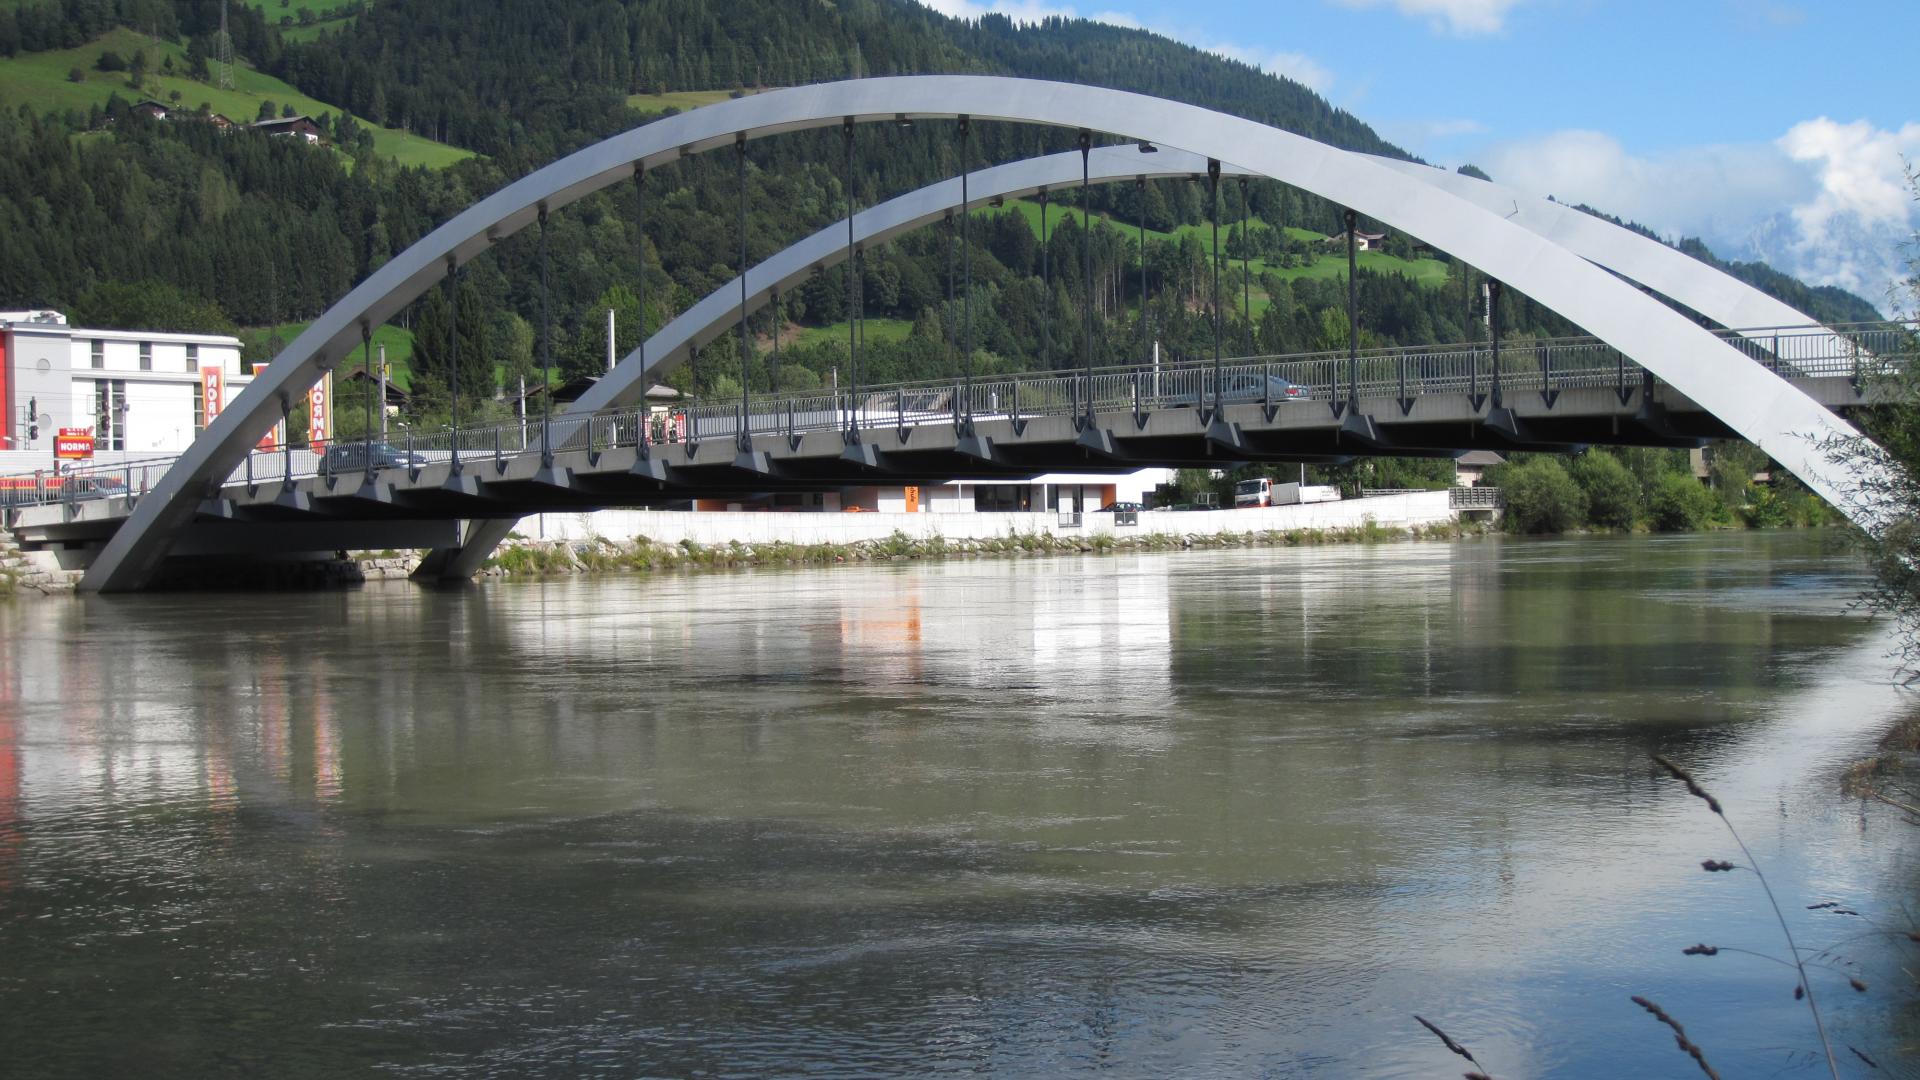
[{"x": 1264, "y": 492}]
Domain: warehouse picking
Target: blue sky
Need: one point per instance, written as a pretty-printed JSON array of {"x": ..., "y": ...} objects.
[{"x": 1775, "y": 129}]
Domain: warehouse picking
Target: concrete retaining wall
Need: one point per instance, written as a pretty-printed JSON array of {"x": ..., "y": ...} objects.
[{"x": 1391, "y": 511}]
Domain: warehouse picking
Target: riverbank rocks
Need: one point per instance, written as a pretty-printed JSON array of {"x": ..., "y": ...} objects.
[
  {"x": 28, "y": 573},
  {"x": 23, "y": 572},
  {"x": 388, "y": 566},
  {"x": 520, "y": 557}
]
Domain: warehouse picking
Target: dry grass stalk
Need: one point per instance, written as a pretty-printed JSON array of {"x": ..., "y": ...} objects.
[
  {"x": 1805, "y": 988},
  {"x": 1448, "y": 1039},
  {"x": 1679, "y": 1035}
]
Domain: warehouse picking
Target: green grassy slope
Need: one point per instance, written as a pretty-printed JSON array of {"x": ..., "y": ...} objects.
[
  {"x": 254, "y": 344},
  {"x": 41, "y": 81},
  {"x": 1428, "y": 272},
  {"x": 285, "y": 14},
  {"x": 876, "y": 330},
  {"x": 682, "y": 100}
]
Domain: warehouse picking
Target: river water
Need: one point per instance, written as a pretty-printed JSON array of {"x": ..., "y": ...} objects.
[{"x": 1196, "y": 814}]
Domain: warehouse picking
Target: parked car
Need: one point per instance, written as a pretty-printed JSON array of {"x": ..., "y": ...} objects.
[
  {"x": 353, "y": 457},
  {"x": 1119, "y": 508},
  {"x": 1244, "y": 388},
  {"x": 95, "y": 486}
]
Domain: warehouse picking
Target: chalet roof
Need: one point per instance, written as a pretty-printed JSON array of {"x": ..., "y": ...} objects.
[
  {"x": 573, "y": 389},
  {"x": 395, "y": 395},
  {"x": 1481, "y": 458}
]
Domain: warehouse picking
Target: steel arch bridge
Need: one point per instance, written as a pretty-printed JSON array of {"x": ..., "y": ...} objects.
[{"x": 1579, "y": 266}]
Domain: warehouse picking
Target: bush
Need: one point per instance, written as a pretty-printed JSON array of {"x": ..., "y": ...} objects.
[
  {"x": 1766, "y": 510},
  {"x": 1541, "y": 497},
  {"x": 1680, "y": 504},
  {"x": 1613, "y": 495},
  {"x": 110, "y": 61}
]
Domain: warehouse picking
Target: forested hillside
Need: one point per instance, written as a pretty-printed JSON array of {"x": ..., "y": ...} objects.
[{"x": 123, "y": 219}]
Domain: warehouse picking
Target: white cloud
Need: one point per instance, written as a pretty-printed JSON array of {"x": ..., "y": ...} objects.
[
  {"x": 1826, "y": 202},
  {"x": 1860, "y": 169},
  {"x": 1299, "y": 67},
  {"x": 1462, "y": 17}
]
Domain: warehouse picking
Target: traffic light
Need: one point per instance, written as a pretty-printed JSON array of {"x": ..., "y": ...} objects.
[{"x": 33, "y": 418}]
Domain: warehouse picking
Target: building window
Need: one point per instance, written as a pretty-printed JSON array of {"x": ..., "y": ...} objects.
[
  {"x": 193, "y": 358},
  {"x": 110, "y": 414},
  {"x": 1003, "y": 498},
  {"x": 199, "y": 407},
  {"x": 99, "y": 354},
  {"x": 146, "y": 356}
]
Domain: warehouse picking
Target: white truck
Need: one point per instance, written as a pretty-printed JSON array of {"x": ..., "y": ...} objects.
[{"x": 1264, "y": 492}]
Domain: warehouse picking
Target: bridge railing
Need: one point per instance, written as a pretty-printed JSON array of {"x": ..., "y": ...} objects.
[
  {"x": 1475, "y": 498},
  {"x": 1860, "y": 352}
]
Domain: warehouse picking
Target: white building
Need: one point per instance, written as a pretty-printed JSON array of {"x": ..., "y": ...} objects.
[
  {"x": 136, "y": 391},
  {"x": 1062, "y": 492}
]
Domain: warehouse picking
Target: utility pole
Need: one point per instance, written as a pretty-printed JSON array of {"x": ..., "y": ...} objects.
[
  {"x": 224, "y": 47},
  {"x": 383, "y": 392}
]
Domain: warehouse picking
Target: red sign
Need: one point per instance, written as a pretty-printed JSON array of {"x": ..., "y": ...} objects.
[
  {"x": 73, "y": 444},
  {"x": 213, "y": 391},
  {"x": 319, "y": 413}
]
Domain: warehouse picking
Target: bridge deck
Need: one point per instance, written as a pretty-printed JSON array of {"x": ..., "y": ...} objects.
[{"x": 288, "y": 501}]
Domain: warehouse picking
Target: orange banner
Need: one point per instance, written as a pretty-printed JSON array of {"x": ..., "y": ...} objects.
[
  {"x": 320, "y": 413},
  {"x": 213, "y": 390}
]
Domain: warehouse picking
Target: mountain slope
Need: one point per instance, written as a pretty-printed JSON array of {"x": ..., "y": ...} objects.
[
  {"x": 275, "y": 233},
  {"x": 45, "y": 80},
  {"x": 487, "y": 74}
]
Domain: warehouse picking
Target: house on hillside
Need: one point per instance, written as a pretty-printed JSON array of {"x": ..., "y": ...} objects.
[
  {"x": 301, "y": 127},
  {"x": 1362, "y": 241},
  {"x": 152, "y": 110}
]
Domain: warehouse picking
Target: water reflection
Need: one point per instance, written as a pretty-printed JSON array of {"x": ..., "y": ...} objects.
[{"x": 1160, "y": 815}]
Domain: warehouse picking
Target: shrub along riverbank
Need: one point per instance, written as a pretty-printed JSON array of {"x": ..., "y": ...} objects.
[
  {"x": 1655, "y": 490},
  {"x": 520, "y": 557}
]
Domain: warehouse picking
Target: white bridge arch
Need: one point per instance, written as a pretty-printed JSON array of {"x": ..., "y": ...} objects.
[{"x": 1552, "y": 266}]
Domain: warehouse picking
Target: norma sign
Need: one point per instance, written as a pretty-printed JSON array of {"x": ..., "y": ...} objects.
[
  {"x": 73, "y": 444},
  {"x": 320, "y": 413},
  {"x": 213, "y": 390}
]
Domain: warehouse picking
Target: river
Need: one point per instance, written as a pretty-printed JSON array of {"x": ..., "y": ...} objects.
[{"x": 1194, "y": 814}]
